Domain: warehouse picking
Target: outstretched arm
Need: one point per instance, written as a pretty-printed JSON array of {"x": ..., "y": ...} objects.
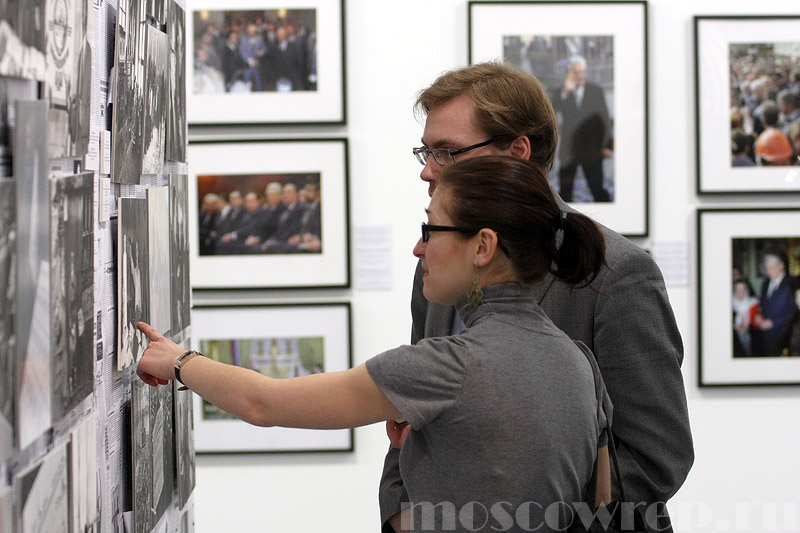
[{"x": 334, "y": 400}]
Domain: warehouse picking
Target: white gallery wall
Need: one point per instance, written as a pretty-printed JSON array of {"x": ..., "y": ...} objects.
[{"x": 746, "y": 475}]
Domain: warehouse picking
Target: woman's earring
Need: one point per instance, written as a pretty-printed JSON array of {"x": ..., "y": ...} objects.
[{"x": 475, "y": 292}]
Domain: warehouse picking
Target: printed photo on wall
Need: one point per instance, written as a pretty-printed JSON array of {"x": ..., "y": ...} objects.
[
  {"x": 279, "y": 62},
  {"x": 748, "y": 116},
  {"x": 591, "y": 59},
  {"x": 749, "y": 298},
  {"x": 269, "y": 214},
  {"x": 278, "y": 341}
]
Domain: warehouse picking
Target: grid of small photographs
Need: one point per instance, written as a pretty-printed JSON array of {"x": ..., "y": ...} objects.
[
  {"x": 94, "y": 236},
  {"x": 748, "y": 144}
]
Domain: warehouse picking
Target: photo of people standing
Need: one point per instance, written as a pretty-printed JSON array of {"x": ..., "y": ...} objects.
[
  {"x": 765, "y": 104},
  {"x": 259, "y": 214},
  {"x": 255, "y": 51},
  {"x": 578, "y": 73},
  {"x": 766, "y": 297}
]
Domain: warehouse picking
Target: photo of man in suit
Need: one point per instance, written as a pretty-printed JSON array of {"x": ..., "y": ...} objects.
[
  {"x": 585, "y": 131},
  {"x": 777, "y": 304}
]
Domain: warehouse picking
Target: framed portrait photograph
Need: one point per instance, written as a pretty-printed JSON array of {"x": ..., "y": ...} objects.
[
  {"x": 747, "y": 72},
  {"x": 749, "y": 296},
  {"x": 259, "y": 62},
  {"x": 269, "y": 214},
  {"x": 279, "y": 341},
  {"x": 591, "y": 58}
]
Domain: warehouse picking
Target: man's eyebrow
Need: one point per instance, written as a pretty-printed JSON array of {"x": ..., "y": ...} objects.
[{"x": 441, "y": 143}]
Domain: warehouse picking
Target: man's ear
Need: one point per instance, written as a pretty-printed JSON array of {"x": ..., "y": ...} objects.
[
  {"x": 487, "y": 247},
  {"x": 521, "y": 147}
]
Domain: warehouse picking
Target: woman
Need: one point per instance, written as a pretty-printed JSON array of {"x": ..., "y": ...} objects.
[
  {"x": 745, "y": 308},
  {"x": 505, "y": 415}
]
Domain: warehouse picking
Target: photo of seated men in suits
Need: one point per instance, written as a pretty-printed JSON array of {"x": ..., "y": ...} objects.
[{"x": 260, "y": 214}]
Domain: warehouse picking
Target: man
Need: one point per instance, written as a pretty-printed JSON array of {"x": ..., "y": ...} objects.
[
  {"x": 252, "y": 49},
  {"x": 777, "y": 304},
  {"x": 288, "y": 222},
  {"x": 624, "y": 317},
  {"x": 585, "y": 131}
]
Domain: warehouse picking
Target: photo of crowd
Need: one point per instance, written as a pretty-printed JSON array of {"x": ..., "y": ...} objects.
[
  {"x": 259, "y": 214},
  {"x": 578, "y": 73},
  {"x": 766, "y": 297},
  {"x": 255, "y": 51},
  {"x": 765, "y": 104}
]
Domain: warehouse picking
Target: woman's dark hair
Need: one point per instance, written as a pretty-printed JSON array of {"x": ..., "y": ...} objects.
[{"x": 513, "y": 197}]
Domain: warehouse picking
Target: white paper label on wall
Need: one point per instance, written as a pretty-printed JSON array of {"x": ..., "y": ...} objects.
[
  {"x": 373, "y": 257},
  {"x": 673, "y": 260}
]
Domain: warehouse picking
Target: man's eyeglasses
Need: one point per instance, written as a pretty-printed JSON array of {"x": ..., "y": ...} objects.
[
  {"x": 428, "y": 228},
  {"x": 445, "y": 156}
]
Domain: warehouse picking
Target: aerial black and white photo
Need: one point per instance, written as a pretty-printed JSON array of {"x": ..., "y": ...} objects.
[
  {"x": 33, "y": 270},
  {"x": 179, "y": 252},
  {"x": 71, "y": 291},
  {"x": 126, "y": 137},
  {"x": 133, "y": 282},
  {"x": 158, "y": 252},
  {"x": 42, "y": 495},
  {"x": 152, "y": 442},
  {"x": 176, "y": 115},
  {"x": 8, "y": 305},
  {"x": 184, "y": 444},
  {"x": 155, "y": 101}
]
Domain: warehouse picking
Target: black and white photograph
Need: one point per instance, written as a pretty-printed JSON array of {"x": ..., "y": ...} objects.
[
  {"x": 591, "y": 60},
  {"x": 260, "y": 63},
  {"x": 33, "y": 273},
  {"x": 176, "y": 114},
  {"x": 180, "y": 299},
  {"x": 158, "y": 253},
  {"x": 83, "y": 475},
  {"x": 8, "y": 306},
  {"x": 749, "y": 297},
  {"x": 71, "y": 291},
  {"x": 271, "y": 214},
  {"x": 155, "y": 102},
  {"x": 280, "y": 341},
  {"x": 11, "y": 90},
  {"x": 69, "y": 71},
  {"x": 184, "y": 444},
  {"x": 22, "y": 31},
  {"x": 260, "y": 214},
  {"x": 129, "y": 93},
  {"x": 42, "y": 494},
  {"x": 152, "y": 446},
  {"x": 133, "y": 279},
  {"x": 748, "y": 115}
]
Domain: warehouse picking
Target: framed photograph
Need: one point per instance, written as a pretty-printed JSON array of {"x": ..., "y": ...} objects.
[
  {"x": 749, "y": 296},
  {"x": 266, "y": 62},
  {"x": 269, "y": 214},
  {"x": 747, "y": 103},
  {"x": 280, "y": 341},
  {"x": 591, "y": 58}
]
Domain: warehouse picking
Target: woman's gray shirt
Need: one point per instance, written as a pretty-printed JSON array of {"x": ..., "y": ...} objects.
[{"x": 504, "y": 415}]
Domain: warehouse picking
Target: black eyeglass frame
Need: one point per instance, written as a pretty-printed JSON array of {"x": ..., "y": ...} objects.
[
  {"x": 428, "y": 228},
  {"x": 422, "y": 153}
]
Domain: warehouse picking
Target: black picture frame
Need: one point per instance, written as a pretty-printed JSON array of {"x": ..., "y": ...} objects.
[
  {"x": 731, "y": 247},
  {"x": 729, "y": 41},
  {"x": 299, "y": 83},
  {"x": 280, "y": 340},
  {"x": 543, "y": 38},
  {"x": 225, "y": 164}
]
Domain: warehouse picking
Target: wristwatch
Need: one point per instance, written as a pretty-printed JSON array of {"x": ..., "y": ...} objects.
[{"x": 180, "y": 362}]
